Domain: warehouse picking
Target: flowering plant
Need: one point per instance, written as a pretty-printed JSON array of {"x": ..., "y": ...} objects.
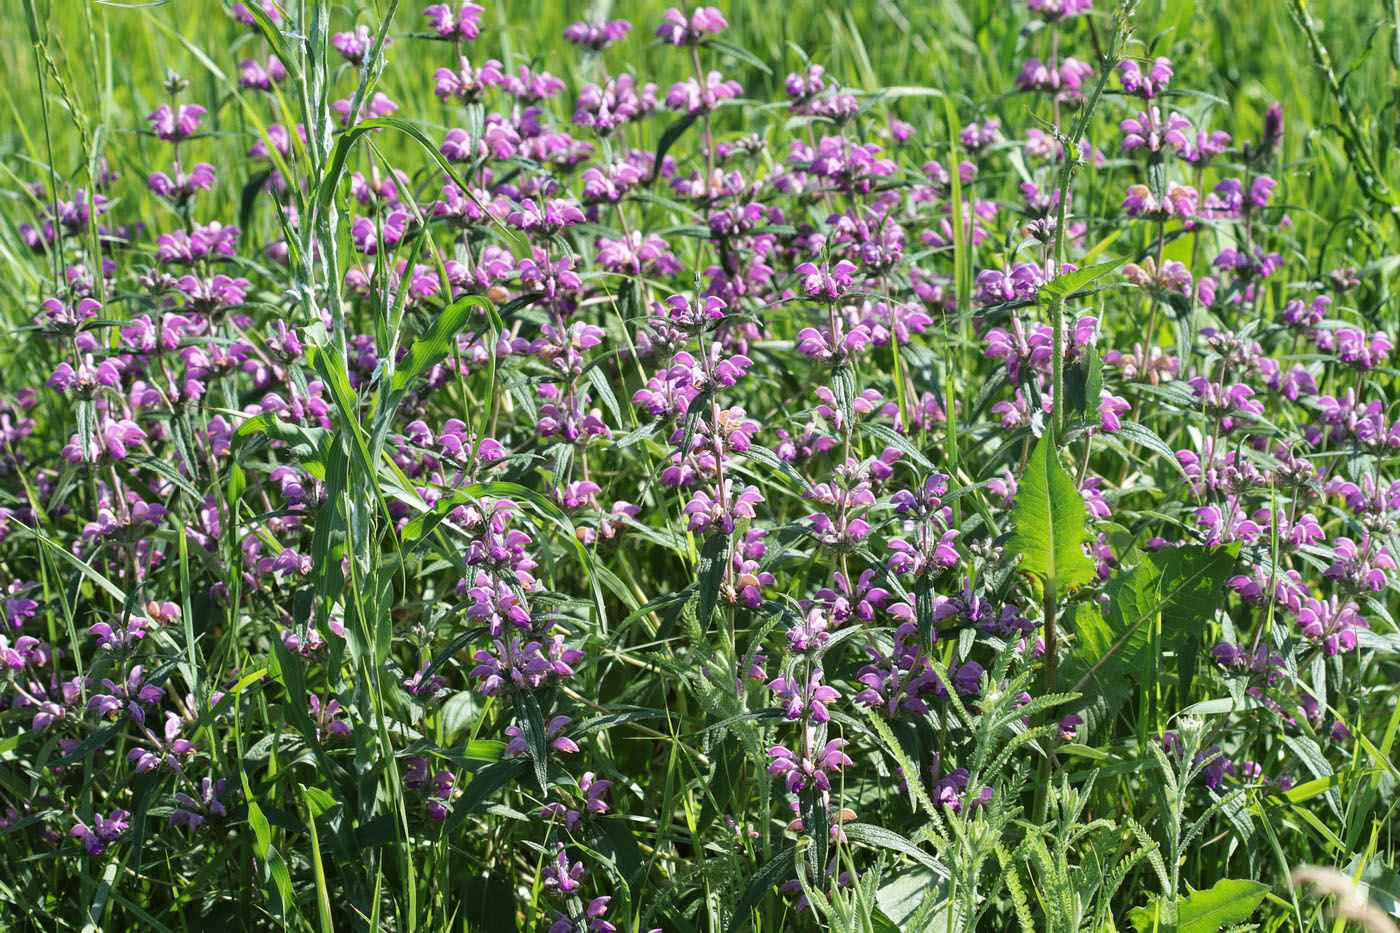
[{"x": 636, "y": 474}]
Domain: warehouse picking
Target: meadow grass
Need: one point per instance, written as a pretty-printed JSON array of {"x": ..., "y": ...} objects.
[{"x": 1057, "y": 708}]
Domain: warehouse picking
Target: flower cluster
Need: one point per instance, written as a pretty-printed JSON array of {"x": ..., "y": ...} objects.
[{"x": 645, "y": 428}]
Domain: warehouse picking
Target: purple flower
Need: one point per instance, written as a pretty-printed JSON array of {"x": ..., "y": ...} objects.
[
  {"x": 259, "y": 76},
  {"x": 195, "y": 813},
  {"x": 60, "y": 318},
  {"x": 692, "y": 97},
  {"x": 326, "y": 716},
  {"x": 547, "y": 218},
  {"x": 607, "y": 107},
  {"x": 422, "y": 685},
  {"x": 1062, "y": 79},
  {"x": 454, "y": 21},
  {"x": 711, "y": 511},
  {"x": 949, "y": 792},
  {"x": 562, "y": 876},
  {"x": 18, "y": 657},
  {"x": 1358, "y": 350},
  {"x": 287, "y": 561},
  {"x": 1110, "y": 407},
  {"x": 1148, "y": 131},
  {"x": 118, "y": 639},
  {"x": 377, "y": 106},
  {"x": 1205, "y": 147},
  {"x": 803, "y": 87},
  {"x": 1360, "y": 565},
  {"x": 1330, "y": 623},
  {"x": 1259, "y": 190},
  {"x": 113, "y": 438},
  {"x": 1149, "y": 85},
  {"x": 355, "y": 44},
  {"x": 466, "y": 83},
  {"x": 242, "y": 15},
  {"x": 517, "y": 664},
  {"x": 805, "y": 700},
  {"x": 553, "y": 731},
  {"x": 130, "y": 695},
  {"x": 166, "y": 751},
  {"x": 637, "y": 254},
  {"x": 930, "y": 553},
  {"x": 799, "y": 771},
  {"x": 177, "y": 124},
  {"x": 182, "y": 186},
  {"x": 1053, "y": 10},
  {"x": 597, "y": 35},
  {"x": 87, "y": 377},
  {"x": 825, "y": 282},
  {"x": 1178, "y": 201},
  {"x": 678, "y": 29},
  {"x": 531, "y": 88},
  {"x": 104, "y": 830}
]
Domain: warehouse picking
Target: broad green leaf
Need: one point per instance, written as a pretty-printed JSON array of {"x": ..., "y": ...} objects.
[
  {"x": 261, "y": 829},
  {"x": 1049, "y": 514},
  {"x": 1227, "y": 902},
  {"x": 901, "y": 895},
  {"x": 483, "y": 784},
  {"x": 1380, "y": 884},
  {"x": 1076, "y": 281},
  {"x": 1182, "y": 586}
]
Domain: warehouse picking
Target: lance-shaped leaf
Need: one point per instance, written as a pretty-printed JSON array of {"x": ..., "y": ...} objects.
[
  {"x": 1049, "y": 514},
  {"x": 714, "y": 557},
  {"x": 1063, "y": 286}
]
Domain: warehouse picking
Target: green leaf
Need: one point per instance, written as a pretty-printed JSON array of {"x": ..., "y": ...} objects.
[
  {"x": 714, "y": 556},
  {"x": 843, "y": 386},
  {"x": 902, "y": 896},
  {"x": 1380, "y": 884},
  {"x": 1064, "y": 286},
  {"x": 485, "y": 782},
  {"x": 777, "y": 869},
  {"x": 1182, "y": 586},
  {"x": 275, "y": 39},
  {"x": 531, "y": 719},
  {"x": 1229, "y": 901},
  {"x": 881, "y": 838},
  {"x": 895, "y": 440},
  {"x": 1084, "y": 383},
  {"x": 261, "y": 829},
  {"x": 739, "y": 52},
  {"x": 924, "y": 605},
  {"x": 307, "y": 445},
  {"x": 881, "y": 923},
  {"x": 433, "y": 347},
  {"x": 1146, "y": 437},
  {"x": 1049, "y": 514},
  {"x": 637, "y": 434},
  {"x": 670, "y": 135}
]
